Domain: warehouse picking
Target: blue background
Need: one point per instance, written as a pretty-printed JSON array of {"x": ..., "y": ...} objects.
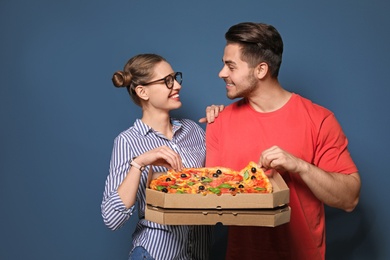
[{"x": 59, "y": 111}]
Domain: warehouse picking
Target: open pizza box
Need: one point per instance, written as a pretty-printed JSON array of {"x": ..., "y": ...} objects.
[{"x": 242, "y": 209}]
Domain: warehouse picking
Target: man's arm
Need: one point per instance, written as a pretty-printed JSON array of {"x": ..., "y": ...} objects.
[{"x": 334, "y": 189}]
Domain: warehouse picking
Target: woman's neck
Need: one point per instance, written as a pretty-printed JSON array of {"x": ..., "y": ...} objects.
[{"x": 159, "y": 122}]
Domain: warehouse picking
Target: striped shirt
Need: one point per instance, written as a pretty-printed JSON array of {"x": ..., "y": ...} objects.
[{"x": 161, "y": 241}]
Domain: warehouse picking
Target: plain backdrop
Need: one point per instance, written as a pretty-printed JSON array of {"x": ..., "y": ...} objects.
[{"x": 59, "y": 112}]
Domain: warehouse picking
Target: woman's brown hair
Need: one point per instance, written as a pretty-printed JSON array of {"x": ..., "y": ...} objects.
[{"x": 137, "y": 71}]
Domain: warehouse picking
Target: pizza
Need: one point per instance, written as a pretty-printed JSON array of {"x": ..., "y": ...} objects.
[{"x": 213, "y": 180}]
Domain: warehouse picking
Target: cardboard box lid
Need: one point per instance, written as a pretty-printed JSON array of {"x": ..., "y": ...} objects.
[
  {"x": 241, "y": 217},
  {"x": 279, "y": 196}
]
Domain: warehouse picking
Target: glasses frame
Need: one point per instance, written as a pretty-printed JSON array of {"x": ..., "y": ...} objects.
[{"x": 165, "y": 79}]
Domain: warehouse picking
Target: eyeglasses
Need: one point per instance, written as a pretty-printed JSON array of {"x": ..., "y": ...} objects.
[{"x": 169, "y": 80}]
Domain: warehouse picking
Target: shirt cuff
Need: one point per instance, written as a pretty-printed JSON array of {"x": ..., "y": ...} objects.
[{"x": 118, "y": 205}]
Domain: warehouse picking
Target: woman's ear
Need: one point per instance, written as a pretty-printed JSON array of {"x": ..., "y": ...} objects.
[
  {"x": 261, "y": 70},
  {"x": 141, "y": 92}
]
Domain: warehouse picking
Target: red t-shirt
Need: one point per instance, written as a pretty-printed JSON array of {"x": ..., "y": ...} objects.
[{"x": 307, "y": 131}]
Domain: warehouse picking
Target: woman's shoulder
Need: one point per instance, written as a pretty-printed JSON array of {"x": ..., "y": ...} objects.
[
  {"x": 134, "y": 131},
  {"x": 126, "y": 134},
  {"x": 183, "y": 121},
  {"x": 186, "y": 123}
]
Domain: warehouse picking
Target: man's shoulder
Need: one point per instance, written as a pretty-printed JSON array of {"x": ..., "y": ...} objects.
[
  {"x": 229, "y": 114},
  {"x": 311, "y": 106},
  {"x": 239, "y": 104}
]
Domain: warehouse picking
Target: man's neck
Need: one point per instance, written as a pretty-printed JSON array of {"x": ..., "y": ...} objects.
[{"x": 269, "y": 97}]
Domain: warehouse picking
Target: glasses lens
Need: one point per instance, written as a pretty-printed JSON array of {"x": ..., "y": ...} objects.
[
  {"x": 178, "y": 77},
  {"x": 169, "y": 81}
]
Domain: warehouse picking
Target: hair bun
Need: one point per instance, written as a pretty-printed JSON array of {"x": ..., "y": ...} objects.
[{"x": 121, "y": 79}]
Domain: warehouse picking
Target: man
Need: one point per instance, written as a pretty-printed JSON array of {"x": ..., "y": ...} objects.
[{"x": 283, "y": 132}]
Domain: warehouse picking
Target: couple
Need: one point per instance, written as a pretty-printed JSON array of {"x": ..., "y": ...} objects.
[{"x": 278, "y": 129}]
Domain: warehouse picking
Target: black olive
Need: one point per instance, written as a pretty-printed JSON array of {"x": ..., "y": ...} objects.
[
  {"x": 168, "y": 179},
  {"x": 201, "y": 187},
  {"x": 215, "y": 175},
  {"x": 232, "y": 189},
  {"x": 219, "y": 171},
  {"x": 253, "y": 177},
  {"x": 240, "y": 186},
  {"x": 203, "y": 178},
  {"x": 164, "y": 190},
  {"x": 183, "y": 175},
  {"x": 253, "y": 170}
]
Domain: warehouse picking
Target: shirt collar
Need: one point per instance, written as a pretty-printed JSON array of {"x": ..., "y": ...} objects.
[{"x": 143, "y": 128}]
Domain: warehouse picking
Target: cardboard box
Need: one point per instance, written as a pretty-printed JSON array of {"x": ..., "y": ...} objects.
[
  {"x": 280, "y": 196},
  {"x": 268, "y": 210},
  {"x": 240, "y": 217}
]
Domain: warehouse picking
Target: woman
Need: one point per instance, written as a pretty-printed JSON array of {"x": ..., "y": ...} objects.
[{"x": 158, "y": 141}]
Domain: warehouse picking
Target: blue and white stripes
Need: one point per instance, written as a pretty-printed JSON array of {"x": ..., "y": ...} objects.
[{"x": 162, "y": 242}]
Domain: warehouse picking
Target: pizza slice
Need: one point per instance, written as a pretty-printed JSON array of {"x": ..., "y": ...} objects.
[
  {"x": 254, "y": 179},
  {"x": 164, "y": 183}
]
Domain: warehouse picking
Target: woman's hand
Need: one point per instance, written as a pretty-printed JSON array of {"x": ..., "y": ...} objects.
[
  {"x": 161, "y": 156},
  {"x": 211, "y": 113}
]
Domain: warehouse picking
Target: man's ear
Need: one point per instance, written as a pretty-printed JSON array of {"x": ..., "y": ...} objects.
[
  {"x": 142, "y": 93},
  {"x": 261, "y": 70}
]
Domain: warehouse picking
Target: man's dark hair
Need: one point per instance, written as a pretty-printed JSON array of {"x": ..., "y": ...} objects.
[{"x": 260, "y": 43}]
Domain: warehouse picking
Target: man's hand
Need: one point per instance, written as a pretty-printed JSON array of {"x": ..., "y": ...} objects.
[
  {"x": 211, "y": 113},
  {"x": 280, "y": 160}
]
